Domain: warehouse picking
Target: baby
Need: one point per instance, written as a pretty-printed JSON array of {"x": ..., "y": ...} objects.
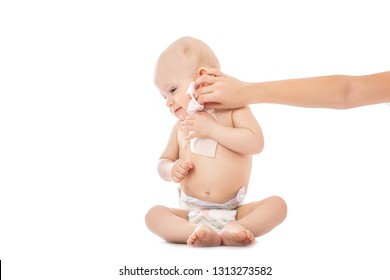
[{"x": 209, "y": 154}]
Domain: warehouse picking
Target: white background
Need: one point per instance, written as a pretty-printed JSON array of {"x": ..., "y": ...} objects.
[{"x": 82, "y": 127}]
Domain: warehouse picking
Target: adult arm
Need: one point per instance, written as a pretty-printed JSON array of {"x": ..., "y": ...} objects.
[{"x": 218, "y": 90}]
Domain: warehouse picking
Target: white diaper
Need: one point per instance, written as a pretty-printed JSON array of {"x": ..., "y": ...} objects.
[
  {"x": 215, "y": 215},
  {"x": 201, "y": 146},
  {"x": 217, "y": 219}
]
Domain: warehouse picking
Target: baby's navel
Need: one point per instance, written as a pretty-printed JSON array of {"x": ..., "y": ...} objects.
[{"x": 207, "y": 193}]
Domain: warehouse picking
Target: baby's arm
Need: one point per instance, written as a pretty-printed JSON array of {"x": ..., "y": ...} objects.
[
  {"x": 170, "y": 167},
  {"x": 245, "y": 137}
]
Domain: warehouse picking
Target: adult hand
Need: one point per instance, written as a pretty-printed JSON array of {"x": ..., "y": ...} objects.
[{"x": 215, "y": 89}]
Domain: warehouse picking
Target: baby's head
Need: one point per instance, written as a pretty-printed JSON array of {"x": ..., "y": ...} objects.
[{"x": 179, "y": 65}]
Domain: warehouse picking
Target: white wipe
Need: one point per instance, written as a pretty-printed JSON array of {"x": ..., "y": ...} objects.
[{"x": 201, "y": 146}]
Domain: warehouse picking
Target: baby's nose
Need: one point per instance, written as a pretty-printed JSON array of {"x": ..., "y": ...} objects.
[{"x": 169, "y": 102}]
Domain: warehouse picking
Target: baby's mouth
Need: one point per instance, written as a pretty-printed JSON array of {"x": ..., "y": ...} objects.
[{"x": 180, "y": 113}]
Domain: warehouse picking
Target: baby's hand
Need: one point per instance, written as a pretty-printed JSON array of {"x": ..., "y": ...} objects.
[
  {"x": 198, "y": 125},
  {"x": 180, "y": 169}
]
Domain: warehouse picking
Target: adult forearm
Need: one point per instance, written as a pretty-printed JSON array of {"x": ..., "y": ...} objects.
[
  {"x": 369, "y": 89},
  {"x": 325, "y": 92},
  {"x": 338, "y": 91}
]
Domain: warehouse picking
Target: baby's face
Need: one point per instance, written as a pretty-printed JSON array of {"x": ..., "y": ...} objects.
[{"x": 172, "y": 82}]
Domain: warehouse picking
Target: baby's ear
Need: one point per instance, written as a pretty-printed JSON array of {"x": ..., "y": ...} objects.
[{"x": 202, "y": 71}]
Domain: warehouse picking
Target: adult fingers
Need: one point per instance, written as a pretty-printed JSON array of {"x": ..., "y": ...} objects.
[
  {"x": 209, "y": 101},
  {"x": 212, "y": 72},
  {"x": 204, "y": 81}
]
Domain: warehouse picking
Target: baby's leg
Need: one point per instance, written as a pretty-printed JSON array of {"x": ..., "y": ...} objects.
[
  {"x": 253, "y": 220},
  {"x": 169, "y": 223},
  {"x": 172, "y": 225}
]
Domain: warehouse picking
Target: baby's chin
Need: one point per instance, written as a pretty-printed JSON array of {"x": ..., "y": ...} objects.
[{"x": 181, "y": 114}]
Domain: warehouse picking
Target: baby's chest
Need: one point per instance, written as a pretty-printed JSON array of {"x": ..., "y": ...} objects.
[{"x": 183, "y": 143}]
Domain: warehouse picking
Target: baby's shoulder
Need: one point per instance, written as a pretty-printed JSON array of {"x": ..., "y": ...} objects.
[
  {"x": 243, "y": 115},
  {"x": 223, "y": 112},
  {"x": 175, "y": 128},
  {"x": 232, "y": 112}
]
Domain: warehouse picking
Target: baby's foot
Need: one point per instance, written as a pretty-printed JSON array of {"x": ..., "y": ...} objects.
[
  {"x": 204, "y": 236},
  {"x": 235, "y": 234}
]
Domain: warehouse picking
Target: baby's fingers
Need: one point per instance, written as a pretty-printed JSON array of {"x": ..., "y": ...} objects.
[
  {"x": 187, "y": 125},
  {"x": 178, "y": 175},
  {"x": 190, "y": 165},
  {"x": 185, "y": 167},
  {"x": 191, "y": 135},
  {"x": 176, "y": 179}
]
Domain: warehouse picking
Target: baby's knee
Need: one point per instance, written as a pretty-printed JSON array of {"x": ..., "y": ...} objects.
[
  {"x": 153, "y": 213},
  {"x": 280, "y": 206}
]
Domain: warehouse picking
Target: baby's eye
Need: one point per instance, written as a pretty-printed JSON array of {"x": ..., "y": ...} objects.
[{"x": 172, "y": 90}]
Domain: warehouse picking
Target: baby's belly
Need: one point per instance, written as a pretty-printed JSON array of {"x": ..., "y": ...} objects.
[{"x": 217, "y": 179}]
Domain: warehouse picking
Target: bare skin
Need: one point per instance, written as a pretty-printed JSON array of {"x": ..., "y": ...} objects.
[
  {"x": 216, "y": 89},
  {"x": 215, "y": 179},
  {"x": 204, "y": 236},
  {"x": 235, "y": 234},
  {"x": 253, "y": 220}
]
